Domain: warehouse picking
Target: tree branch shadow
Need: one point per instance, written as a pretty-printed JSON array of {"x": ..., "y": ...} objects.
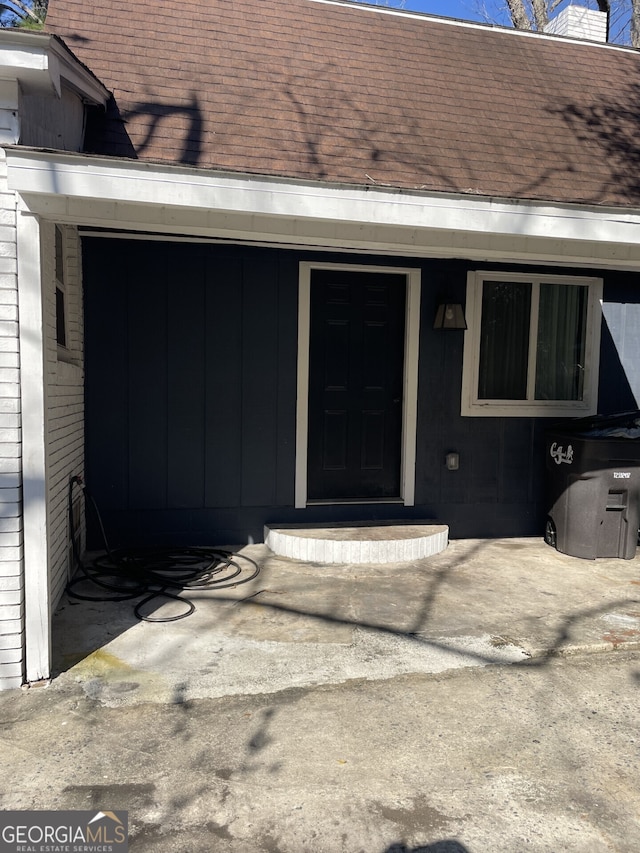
[
  {"x": 611, "y": 126},
  {"x": 411, "y": 626}
]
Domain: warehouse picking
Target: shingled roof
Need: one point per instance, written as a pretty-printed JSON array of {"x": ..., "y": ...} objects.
[{"x": 354, "y": 94}]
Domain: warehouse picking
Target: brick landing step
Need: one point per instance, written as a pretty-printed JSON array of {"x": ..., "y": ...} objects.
[{"x": 356, "y": 542}]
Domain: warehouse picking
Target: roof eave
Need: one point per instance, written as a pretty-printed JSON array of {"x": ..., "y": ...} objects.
[
  {"x": 39, "y": 62},
  {"x": 104, "y": 192}
]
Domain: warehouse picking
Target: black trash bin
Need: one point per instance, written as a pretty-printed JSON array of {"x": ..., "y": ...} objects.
[{"x": 593, "y": 486}]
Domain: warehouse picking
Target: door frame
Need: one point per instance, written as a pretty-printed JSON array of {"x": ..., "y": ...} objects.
[{"x": 410, "y": 378}]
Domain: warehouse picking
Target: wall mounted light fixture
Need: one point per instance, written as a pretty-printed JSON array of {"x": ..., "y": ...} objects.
[{"x": 450, "y": 315}]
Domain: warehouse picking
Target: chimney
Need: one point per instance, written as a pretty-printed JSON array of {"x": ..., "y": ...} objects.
[{"x": 579, "y": 23}]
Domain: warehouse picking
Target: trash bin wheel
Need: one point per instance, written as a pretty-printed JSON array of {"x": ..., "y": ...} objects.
[{"x": 550, "y": 532}]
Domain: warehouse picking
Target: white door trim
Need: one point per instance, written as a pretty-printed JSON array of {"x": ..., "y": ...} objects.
[{"x": 410, "y": 396}]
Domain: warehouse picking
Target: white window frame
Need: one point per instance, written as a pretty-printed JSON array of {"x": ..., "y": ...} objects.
[{"x": 472, "y": 406}]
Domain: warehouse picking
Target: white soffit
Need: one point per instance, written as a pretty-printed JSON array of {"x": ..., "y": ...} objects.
[{"x": 105, "y": 192}]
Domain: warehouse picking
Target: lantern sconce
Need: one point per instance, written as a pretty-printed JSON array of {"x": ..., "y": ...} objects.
[{"x": 450, "y": 315}]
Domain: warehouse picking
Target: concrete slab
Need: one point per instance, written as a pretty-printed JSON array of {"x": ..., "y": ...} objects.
[
  {"x": 299, "y": 624},
  {"x": 535, "y": 758}
]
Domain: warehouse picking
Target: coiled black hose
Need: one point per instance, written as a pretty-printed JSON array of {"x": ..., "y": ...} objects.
[{"x": 153, "y": 573}]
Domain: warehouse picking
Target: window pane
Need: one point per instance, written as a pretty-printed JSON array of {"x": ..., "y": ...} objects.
[
  {"x": 562, "y": 325},
  {"x": 59, "y": 256},
  {"x": 504, "y": 340},
  {"x": 61, "y": 333}
]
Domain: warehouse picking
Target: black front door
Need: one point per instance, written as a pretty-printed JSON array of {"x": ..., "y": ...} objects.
[{"x": 356, "y": 367}]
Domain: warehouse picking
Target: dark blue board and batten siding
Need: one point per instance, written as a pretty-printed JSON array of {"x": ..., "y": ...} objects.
[{"x": 191, "y": 359}]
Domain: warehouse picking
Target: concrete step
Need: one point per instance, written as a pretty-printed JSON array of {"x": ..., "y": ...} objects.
[{"x": 363, "y": 542}]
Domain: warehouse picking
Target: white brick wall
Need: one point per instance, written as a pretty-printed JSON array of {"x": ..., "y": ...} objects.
[
  {"x": 11, "y": 527},
  {"x": 65, "y": 400}
]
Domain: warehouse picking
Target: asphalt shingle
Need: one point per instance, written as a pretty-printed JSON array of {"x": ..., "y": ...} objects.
[{"x": 353, "y": 94}]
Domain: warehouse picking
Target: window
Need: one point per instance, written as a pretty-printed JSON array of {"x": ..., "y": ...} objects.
[
  {"x": 61, "y": 320},
  {"x": 532, "y": 345}
]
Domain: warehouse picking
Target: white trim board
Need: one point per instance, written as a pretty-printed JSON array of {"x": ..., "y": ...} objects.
[
  {"x": 351, "y": 239},
  {"x": 34, "y": 453},
  {"x": 39, "y": 62},
  {"x": 129, "y": 195},
  {"x": 410, "y": 383},
  {"x": 40, "y": 174}
]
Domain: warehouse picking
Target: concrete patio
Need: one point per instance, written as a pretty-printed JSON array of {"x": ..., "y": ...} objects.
[
  {"x": 481, "y": 699},
  {"x": 298, "y": 624}
]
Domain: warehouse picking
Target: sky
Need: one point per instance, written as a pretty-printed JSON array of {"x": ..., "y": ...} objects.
[{"x": 468, "y": 10}]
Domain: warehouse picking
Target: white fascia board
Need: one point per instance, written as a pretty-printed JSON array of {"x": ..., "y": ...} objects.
[
  {"x": 39, "y": 62},
  {"x": 44, "y": 175},
  {"x": 26, "y": 63},
  {"x": 77, "y": 75}
]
